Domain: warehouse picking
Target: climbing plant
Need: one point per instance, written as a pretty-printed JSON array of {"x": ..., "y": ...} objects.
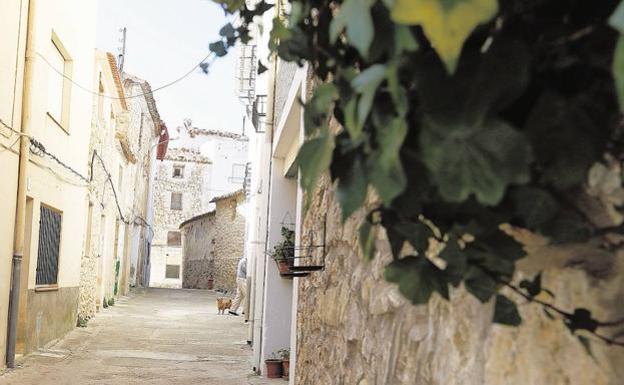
[{"x": 462, "y": 115}]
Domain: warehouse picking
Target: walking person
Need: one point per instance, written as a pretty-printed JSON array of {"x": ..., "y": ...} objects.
[{"x": 241, "y": 285}]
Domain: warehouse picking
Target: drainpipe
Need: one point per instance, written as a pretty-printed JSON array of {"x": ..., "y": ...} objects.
[
  {"x": 270, "y": 129},
  {"x": 20, "y": 212}
]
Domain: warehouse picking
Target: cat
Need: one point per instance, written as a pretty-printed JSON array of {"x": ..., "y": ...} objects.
[{"x": 223, "y": 304}]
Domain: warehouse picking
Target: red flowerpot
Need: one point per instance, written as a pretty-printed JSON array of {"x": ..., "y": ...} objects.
[
  {"x": 286, "y": 367},
  {"x": 210, "y": 283},
  {"x": 283, "y": 266},
  {"x": 274, "y": 368}
]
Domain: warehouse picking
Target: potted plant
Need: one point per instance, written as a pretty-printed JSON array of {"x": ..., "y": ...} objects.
[
  {"x": 285, "y": 355},
  {"x": 284, "y": 252},
  {"x": 273, "y": 366}
]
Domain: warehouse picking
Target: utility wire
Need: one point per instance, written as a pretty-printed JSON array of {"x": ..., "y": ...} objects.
[{"x": 86, "y": 89}]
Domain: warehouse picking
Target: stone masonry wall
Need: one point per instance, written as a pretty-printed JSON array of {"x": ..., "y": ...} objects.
[
  {"x": 378, "y": 337},
  {"x": 198, "y": 249},
  {"x": 229, "y": 236}
]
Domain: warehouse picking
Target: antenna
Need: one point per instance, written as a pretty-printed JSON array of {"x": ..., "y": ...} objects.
[{"x": 122, "y": 49}]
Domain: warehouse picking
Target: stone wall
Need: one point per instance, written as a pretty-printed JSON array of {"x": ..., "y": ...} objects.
[
  {"x": 229, "y": 237},
  {"x": 198, "y": 249},
  {"x": 213, "y": 245},
  {"x": 378, "y": 337}
]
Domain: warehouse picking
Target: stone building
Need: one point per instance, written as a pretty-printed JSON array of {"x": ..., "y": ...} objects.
[
  {"x": 213, "y": 243},
  {"x": 179, "y": 195},
  {"x": 124, "y": 132},
  {"x": 379, "y": 337}
]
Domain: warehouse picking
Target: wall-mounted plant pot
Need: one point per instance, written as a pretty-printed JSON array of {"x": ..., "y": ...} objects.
[
  {"x": 274, "y": 368},
  {"x": 283, "y": 266},
  {"x": 286, "y": 368}
]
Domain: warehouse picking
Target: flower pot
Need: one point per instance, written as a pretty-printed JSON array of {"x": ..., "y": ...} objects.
[
  {"x": 283, "y": 266},
  {"x": 285, "y": 367},
  {"x": 273, "y": 368},
  {"x": 210, "y": 283}
]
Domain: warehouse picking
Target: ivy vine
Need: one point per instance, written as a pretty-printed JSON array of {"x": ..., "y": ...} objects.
[{"x": 462, "y": 115}]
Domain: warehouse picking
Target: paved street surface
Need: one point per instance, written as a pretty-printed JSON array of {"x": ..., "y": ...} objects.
[{"x": 154, "y": 336}]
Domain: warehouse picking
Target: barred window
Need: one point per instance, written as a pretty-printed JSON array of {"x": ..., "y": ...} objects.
[
  {"x": 176, "y": 201},
  {"x": 49, "y": 246},
  {"x": 178, "y": 171},
  {"x": 172, "y": 271}
]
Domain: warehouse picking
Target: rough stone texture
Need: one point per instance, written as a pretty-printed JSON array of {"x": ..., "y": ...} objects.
[
  {"x": 377, "y": 337},
  {"x": 199, "y": 256},
  {"x": 154, "y": 336},
  {"x": 194, "y": 201},
  {"x": 213, "y": 244}
]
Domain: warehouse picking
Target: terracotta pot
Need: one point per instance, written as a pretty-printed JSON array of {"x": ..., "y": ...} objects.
[
  {"x": 283, "y": 266},
  {"x": 286, "y": 367},
  {"x": 210, "y": 283},
  {"x": 273, "y": 368}
]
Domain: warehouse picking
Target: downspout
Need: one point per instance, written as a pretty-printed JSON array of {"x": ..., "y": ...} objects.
[
  {"x": 270, "y": 130},
  {"x": 20, "y": 212}
]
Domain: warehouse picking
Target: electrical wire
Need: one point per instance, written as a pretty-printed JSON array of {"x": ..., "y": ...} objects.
[{"x": 86, "y": 89}]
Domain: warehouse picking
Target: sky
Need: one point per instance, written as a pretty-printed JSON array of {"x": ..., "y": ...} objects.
[{"x": 164, "y": 40}]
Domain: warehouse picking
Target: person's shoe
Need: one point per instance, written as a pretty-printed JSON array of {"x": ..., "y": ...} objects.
[{"x": 233, "y": 313}]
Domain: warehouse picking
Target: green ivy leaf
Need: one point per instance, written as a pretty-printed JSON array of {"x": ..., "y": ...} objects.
[
  {"x": 366, "y": 84},
  {"x": 416, "y": 233},
  {"x": 417, "y": 278},
  {"x": 479, "y": 284},
  {"x": 447, "y": 23},
  {"x": 481, "y": 160},
  {"x": 314, "y": 158},
  {"x": 218, "y": 47},
  {"x": 317, "y": 108},
  {"x": 618, "y": 64},
  {"x": 506, "y": 312},
  {"x": 617, "y": 18},
  {"x": 404, "y": 40},
  {"x": 352, "y": 187},
  {"x": 456, "y": 262},
  {"x": 368, "y": 236},
  {"x": 227, "y": 31},
  {"x": 534, "y": 206},
  {"x": 231, "y": 6},
  {"x": 355, "y": 16}
]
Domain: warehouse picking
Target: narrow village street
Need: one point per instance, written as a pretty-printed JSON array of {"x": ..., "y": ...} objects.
[{"x": 153, "y": 336}]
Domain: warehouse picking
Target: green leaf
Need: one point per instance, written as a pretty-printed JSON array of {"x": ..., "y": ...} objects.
[
  {"x": 397, "y": 92},
  {"x": 479, "y": 284},
  {"x": 366, "y": 84},
  {"x": 618, "y": 65},
  {"x": 227, "y": 30},
  {"x": 446, "y": 23},
  {"x": 482, "y": 160},
  {"x": 404, "y": 40},
  {"x": 456, "y": 262},
  {"x": 368, "y": 236},
  {"x": 617, "y": 18},
  {"x": 534, "y": 206},
  {"x": 314, "y": 158},
  {"x": 416, "y": 233},
  {"x": 352, "y": 188},
  {"x": 417, "y": 278},
  {"x": 318, "y": 107},
  {"x": 506, "y": 312},
  {"x": 355, "y": 16},
  {"x": 385, "y": 168},
  {"x": 218, "y": 47}
]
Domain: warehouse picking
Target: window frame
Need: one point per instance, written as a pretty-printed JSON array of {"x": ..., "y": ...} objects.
[
  {"x": 167, "y": 268},
  {"x": 63, "y": 121},
  {"x": 178, "y": 167},
  {"x": 181, "y": 201},
  {"x": 49, "y": 286},
  {"x": 176, "y": 244}
]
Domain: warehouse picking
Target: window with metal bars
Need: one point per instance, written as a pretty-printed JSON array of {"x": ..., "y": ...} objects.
[
  {"x": 49, "y": 246},
  {"x": 172, "y": 271},
  {"x": 176, "y": 201}
]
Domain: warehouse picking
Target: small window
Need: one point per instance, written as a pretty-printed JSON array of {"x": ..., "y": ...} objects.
[
  {"x": 172, "y": 271},
  {"x": 59, "y": 83},
  {"x": 238, "y": 173},
  {"x": 174, "y": 238},
  {"x": 49, "y": 246},
  {"x": 178, "y": 171},
  {"x": 176, "y": 201}
]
